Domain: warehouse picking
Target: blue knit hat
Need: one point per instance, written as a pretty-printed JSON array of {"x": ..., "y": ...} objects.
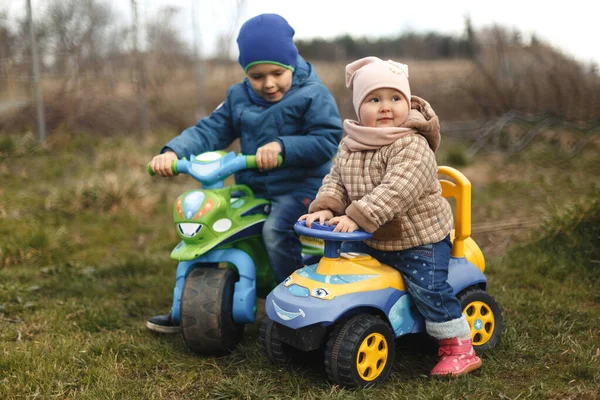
[{"x": 267, "y": 39}]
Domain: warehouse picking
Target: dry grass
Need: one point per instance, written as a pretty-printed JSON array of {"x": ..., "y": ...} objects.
[{"x": 532, "y": 80}]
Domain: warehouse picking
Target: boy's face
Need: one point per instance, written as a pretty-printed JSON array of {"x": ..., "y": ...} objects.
[
  {"x": 270, "y": 81},
  {"x": 383, "y": 107}
]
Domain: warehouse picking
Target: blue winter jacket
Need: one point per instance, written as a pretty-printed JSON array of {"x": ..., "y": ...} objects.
[{"x": 306, "y": 122}]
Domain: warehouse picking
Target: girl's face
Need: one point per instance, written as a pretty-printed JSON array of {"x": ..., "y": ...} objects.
[
  {"x": 384, "y": 107},
  {"x": 270, "y": 81}
]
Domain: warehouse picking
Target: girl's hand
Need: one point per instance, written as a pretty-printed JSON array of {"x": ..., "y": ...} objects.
[
  {"x": 161, "y": 164},
  {"x": 344, "y": 224},
  {"x": 266, "y": 156},
  {"x": 321, "y": 216}
]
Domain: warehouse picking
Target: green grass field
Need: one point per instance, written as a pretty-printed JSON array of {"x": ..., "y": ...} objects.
[{"x": 85, "y": 237}]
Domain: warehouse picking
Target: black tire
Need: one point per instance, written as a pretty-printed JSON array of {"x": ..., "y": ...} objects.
[
  {"x": 270, "y": 342},
  {"x": 206, "y": 319},
  {"x": 484, "y": 317},
  {"x": 345, "y": 350}
]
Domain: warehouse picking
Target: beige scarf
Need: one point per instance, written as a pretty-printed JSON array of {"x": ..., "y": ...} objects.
[{"x": 421, "y": 120}]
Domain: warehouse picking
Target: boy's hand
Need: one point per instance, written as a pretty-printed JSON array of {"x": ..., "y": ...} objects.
[
  {"x": 161, "y": 164},
  {"x": 344, "y": 224},
  {"x": 266, "y": 156},
  {"x": 321, "y": 216}
]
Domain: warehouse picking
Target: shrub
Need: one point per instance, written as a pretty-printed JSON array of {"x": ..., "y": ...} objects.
[
  {"x": 568, "y": 246},
  {"x": 457, "y": 157}
]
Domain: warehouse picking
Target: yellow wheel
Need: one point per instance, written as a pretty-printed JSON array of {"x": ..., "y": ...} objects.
[
  {"x": 484, "y": 317},
  {"x": 360, "y": 352},
  {"x": 372, "y": 356},
  {"x": 481, "y": 321}
]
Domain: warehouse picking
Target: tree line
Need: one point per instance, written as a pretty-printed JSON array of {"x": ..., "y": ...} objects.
[
  {"x": 408, "y": 45},
  {"x": 77, "y": 36}
]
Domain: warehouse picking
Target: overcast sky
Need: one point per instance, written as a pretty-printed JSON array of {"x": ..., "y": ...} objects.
[{"x": 571, "y": 26}]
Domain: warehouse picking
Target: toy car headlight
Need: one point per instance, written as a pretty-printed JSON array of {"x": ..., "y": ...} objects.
[
  {"x": 319, "y": 292},
  {"x": 287, "y": 281}
]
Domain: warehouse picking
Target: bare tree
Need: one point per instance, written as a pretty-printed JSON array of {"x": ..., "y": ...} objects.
[
  {"x": 77, "y": 32},
  {"x": 94, "y": 43},
  {"x": 163, "y": 36},
  {"x": 166, "y": 49},
  {"x": 225, "y": 39},
  {"x": 20, "y": 50}
]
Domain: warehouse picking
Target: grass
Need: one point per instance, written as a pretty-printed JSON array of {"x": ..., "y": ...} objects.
[{"x": 84, "y": 261}]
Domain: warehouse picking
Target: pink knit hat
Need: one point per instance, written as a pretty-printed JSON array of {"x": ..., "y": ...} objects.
[{"x": 370, "y": 73}]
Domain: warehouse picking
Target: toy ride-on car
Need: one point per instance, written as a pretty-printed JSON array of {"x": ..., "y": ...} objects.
[
  {"x": 355, "y": 307},
  {"x": 220, "y": 226}
]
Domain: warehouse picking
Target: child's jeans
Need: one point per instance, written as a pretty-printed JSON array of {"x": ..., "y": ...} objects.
[
  {"x": 283, "y": 244},
  {"x": 425, "y": 273}
]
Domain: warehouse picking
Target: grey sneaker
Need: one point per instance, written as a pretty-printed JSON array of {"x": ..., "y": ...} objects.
[{"x": 163, "y": 324}]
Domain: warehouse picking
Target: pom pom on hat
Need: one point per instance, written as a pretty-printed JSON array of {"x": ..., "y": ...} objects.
[
  {"x": 267, "y": 39},
  {"x": 371, "y": 73}
]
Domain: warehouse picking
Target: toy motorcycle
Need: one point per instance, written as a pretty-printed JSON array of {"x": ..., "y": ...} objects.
[
  {"x": 354, "y": 307},
  {"x": 220, "y": 226}
]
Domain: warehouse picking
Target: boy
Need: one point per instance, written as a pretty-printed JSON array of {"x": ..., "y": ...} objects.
[{"x": 281, "y": 108}]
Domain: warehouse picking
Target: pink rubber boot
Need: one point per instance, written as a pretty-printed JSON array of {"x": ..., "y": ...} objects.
[{"x": 458, "y": 358}]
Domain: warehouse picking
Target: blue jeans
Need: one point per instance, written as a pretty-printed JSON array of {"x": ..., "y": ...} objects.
[
  {"x": 425, "y": 272},
  {"x": 281, "y": 241}
]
